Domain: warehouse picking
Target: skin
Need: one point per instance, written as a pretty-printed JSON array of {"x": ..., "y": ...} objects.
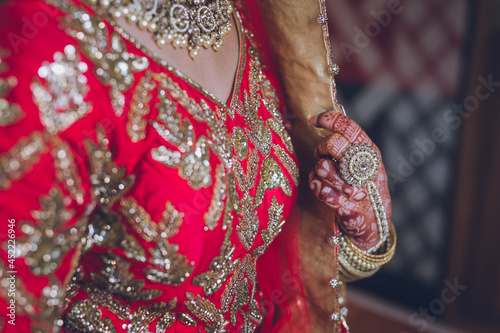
[
  {"x": 351, "y": 205},
  {"x": 214, "y": 71}
]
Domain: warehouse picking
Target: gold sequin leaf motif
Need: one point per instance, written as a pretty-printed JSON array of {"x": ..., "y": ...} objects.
[
  {"x": 114, "y": 66},
  {"x": 61, "y": 95},
  {"x": 45, "y": 242},
  {"x": 10, "y": 113},
  {"x": 109, "y": 182}
]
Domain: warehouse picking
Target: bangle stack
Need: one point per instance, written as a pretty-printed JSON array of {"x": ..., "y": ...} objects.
[{"x": 356, "y": 264}]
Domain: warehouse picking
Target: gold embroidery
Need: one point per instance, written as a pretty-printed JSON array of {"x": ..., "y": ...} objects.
[
  {"x": 248, "y": 326},
  {"x": 139, "y": 219},
  {"x": 21, "y": 158},
  {"x": 61, "y": 95},
  {"x": 114, "y": 66},
  {"x": 280, "y": 130},
  {"x": 145, "y": 315},
  {"x": 237, "y": 292},
  {"x": 51, "y": 234},
  {"x": 194, "y": 166},
  {"x": 240, "y": 142},
  {"x": 73, "y": 286},
  {"x": 274, "y": 223},
  {"x": 136, "y": 125},
  {"x": 132, "y": 248},
  {"x": 186, "y": 319},
  {"x": 10, "y": 113},
  {"x": 115, "y": 278},
  {"x": 170, "y": 125},
  {"x": 206, "y": 311},
  {"x": 259, "y": 133},
  {"x": 50, "y": 308},
  {"x": 214, "y": 213},
  {"x": 66, "y": 170},
  {"x": 109, "y": 182},
  {"x": 220, "y": 268},
  {"x": 104, "y": 229},
  {"x": 106, "y": 299},
  {"x": 288, "y": 163},
  {"x": 84, "y": 316},
  {"x": 170, "y": 267},
  {"x": 249, "y": 225},
  {"x": 166, "y": 320},
  {"x": 272, "y": 177},
  {"x": 170, "y": 222}
]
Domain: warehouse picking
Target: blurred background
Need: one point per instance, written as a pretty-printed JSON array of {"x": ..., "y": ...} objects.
[{"x": 423, "y": 79}]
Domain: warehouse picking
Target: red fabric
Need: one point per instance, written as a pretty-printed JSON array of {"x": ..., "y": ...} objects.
[{"x": 32, "y": 33}]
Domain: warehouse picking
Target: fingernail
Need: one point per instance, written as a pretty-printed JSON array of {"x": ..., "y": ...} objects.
[{"x": 313, "y": 120}]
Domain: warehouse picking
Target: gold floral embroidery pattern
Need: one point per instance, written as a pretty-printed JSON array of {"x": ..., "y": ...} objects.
[
  {"x": 206, "y": 311},
  {"x": 214, "y": 213},
  {"x": 136, "y": 125},
  {"x": 288, "y": 163},
  {"x": 21, "y": 158},
  {"x": 114, "y": 66},
  {"x": 109, "y": 182},
  {"x": 274, "y": 223},
  {"x": 66, "y": 170},
  {"x": 10, "y": 113},
  {"x": 240, "y": 142},
  {"x": 237, "y": 292},
  {"x": 220, "y": 268},
  {"x": 115, "y": 278},
  {"x": 139, "y": 219},
  {"x": 170, "y": 267},
  {"x": 52, "y": 219},
  {"x": 170, "y": 125},
  {"x": 194, "y": 166},
  {"x": 272, "y": 177},
  {"x": 85, "y": 317},
  {"x": 61, "y": 95}
]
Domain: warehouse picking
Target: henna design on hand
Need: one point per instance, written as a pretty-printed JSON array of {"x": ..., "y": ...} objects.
[{"x": 352, "y": 205}]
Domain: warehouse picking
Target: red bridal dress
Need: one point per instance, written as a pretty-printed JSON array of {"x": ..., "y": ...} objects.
[{"x": 131, "y": 199}]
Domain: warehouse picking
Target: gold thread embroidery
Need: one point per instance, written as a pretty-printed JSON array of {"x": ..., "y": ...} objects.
[
  {"x": 194, "y": 166},
  {"x": 109, "y": 182},
  {"x": 52, "y": 234},
  {"x": 10, "y": 113},
  {"x": 170, "y": 267},
  {"x": 136, "y": 125},
  {"x": 206, "y": 311},
  {"x": 85, "y": 317},
  {"x": 274, "y": 223},
  {"x": 61, "y": 95},
  {"x": 66, "y": 170},
  {"x": 21, "y": 158},
  {"x": 114, "y": 66},
  {"x": 139, "y": 219},
  {"x": 288, "y": 163},
  {"x": 214, "y": 213}
]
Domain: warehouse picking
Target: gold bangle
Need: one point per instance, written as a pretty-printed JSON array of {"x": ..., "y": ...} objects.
[
  {"x": 376, "y": 258},
  {"x": 354, "y": 264}
]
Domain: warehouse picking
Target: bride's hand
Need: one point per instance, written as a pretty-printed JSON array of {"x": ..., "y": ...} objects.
[{"x": 351, "y": 205}]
